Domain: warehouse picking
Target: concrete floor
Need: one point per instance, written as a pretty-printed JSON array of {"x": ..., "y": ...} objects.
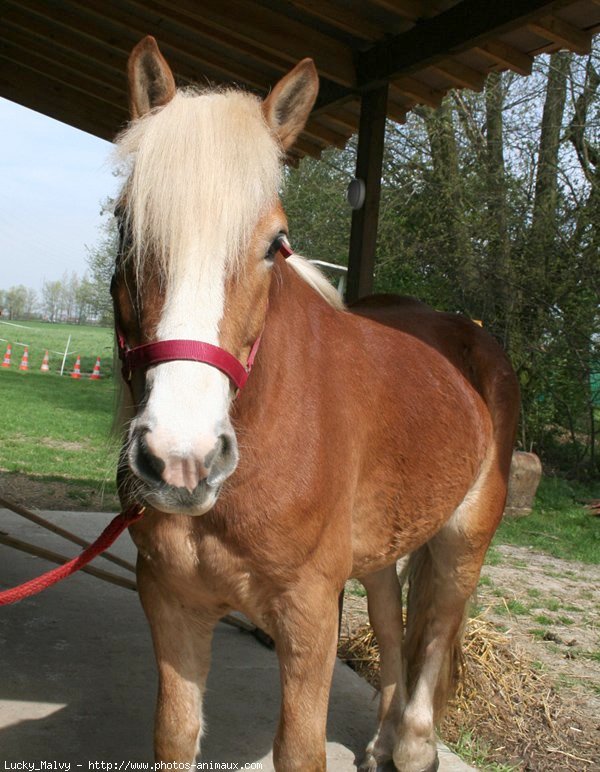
[{"x": 77, "y": 674}]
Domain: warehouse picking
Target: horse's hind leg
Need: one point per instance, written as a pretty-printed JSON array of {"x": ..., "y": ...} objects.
[
  {"x": 385, "y": 613},
  {"x": 182, "y": 639},
  {"x": 443, "y": 575}
]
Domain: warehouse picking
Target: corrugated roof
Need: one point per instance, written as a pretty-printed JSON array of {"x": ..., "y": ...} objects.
[{"x": 67, "y": 58}]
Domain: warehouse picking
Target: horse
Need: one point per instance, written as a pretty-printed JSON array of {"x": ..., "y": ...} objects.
[{"x": 282, "y": 443}]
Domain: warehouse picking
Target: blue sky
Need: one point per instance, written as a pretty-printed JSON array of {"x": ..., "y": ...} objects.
[{"x": 53, "y": 180}]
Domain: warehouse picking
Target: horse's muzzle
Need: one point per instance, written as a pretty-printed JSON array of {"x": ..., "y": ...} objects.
[{"x": 179, "y": 482}]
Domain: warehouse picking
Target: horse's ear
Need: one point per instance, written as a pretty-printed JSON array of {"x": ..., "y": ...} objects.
[
  {"x": 289, "y": 104},
  {"x": 151, "y": 81}
]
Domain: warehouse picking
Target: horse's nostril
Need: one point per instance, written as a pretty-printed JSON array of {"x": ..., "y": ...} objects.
[
  {"x": 224, "y": 458},
  {"x": 229, "y": 451},
  {"x": 147, "y": 465}
]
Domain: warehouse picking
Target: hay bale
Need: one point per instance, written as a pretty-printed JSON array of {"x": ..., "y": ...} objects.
[{"x": 525, "y": 476}]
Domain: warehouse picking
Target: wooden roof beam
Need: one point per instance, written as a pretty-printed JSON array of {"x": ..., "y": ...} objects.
[
  {"x": 78, "y": 81},
  {"x": 29, "y": 40},
  {"x": 563, "y": 33},
  {"x": 315, "y": 128},
  {"x": 416, "y": 91},
  {"x": 56, "y": 100},
  {"x": 508, "y": 56},
  {"x": 309, "y": 147},
  {"x": 337, "y": 16},
  {"x": 204, "y": 35},
  {"x": 95, "y": 14},
  {"x": 410, "y": 9},
  {"x": 95, "y": 59},
  {"x": 461, "y": 75},
  {"x": 42, "y": 28},
  {"x": 341, "y": 116},
  {"x": 466, "y": 25},
  {"x": 397, "y": 112},
  {"x": 262, "y": 28}
]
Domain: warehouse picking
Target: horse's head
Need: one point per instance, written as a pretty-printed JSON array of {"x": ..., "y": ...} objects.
[{"x": 201, "y": 224}]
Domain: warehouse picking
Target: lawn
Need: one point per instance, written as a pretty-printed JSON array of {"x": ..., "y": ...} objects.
[
  {"x": 559, "y": 524},
  {"x": 57, "y": 428},
  {"x": 88, "y": 342}
]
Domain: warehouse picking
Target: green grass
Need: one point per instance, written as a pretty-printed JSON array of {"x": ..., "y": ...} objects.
[
  {"x": 87, "y": 341},
  {"x": 57, "y": 428},
  {"x": 559, "y": 525},
  {"x": 493, "y": 556},
  {"x": 538, "y": 632},
  {"x": 477, "y": 752},
  {"x": 512, "y": 606},
  {"x": 593, "y": 655},
  {"x": 566, "y": 621}
]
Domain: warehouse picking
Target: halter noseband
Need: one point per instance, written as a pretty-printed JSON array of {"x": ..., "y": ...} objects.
[
  {"x": 148, "y": 354},
  {"x": 141, "y": 357}
]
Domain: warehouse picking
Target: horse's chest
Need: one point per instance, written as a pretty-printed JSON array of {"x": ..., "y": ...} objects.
[{"x": 199, "y": 568}]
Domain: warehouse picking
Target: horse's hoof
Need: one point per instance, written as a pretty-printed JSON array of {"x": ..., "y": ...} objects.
[
  {"x": 433, "y": 767},
  {"x": 370, "y": 764}
]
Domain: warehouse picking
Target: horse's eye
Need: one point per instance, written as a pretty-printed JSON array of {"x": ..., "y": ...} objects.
[{"x": 276, "y": 245}]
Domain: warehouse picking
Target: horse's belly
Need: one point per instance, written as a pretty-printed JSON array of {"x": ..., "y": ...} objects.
[{"x": 417, "y": 480}]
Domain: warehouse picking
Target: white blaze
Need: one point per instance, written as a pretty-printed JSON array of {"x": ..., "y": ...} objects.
[{"x": 188, "y": 402}]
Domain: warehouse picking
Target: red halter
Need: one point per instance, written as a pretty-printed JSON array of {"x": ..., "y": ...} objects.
[{"x": 192, "y": 350}]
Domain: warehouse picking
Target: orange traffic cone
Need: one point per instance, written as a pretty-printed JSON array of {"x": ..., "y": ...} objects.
[
  {"x": 77, "y": 369},
  {"x": 6, "y": 360},
  {"x": 25, "y": 360},
  {"x": 45, "y": 363},
  {"x": 95, "y": 376}
]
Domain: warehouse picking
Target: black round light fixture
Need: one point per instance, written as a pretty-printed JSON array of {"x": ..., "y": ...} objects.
[{"x": 356, "y": 193}]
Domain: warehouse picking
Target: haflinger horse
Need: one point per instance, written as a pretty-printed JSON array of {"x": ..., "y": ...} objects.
[{"x": 360, "y": 436}]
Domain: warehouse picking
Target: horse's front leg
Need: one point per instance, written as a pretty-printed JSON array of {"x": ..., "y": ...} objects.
[
  {"x": 305, "y": 633},
  {"x": 182, "y": 639}
]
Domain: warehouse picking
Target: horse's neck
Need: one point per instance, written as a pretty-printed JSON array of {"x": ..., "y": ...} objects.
[{"x": 299, "y": 331}]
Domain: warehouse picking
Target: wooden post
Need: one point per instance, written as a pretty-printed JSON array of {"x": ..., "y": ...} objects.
[{"x": 369, "y": 157}]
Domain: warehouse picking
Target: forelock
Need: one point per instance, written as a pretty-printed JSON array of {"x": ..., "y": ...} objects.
[{"x": 202, "y": 170}]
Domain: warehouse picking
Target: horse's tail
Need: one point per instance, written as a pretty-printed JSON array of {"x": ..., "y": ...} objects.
[
  {"x": 420, "y": 577},
  {"x": 491, "y": 374}
]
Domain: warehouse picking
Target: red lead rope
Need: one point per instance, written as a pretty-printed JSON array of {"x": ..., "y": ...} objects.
[{"x": 112, "y": 531}]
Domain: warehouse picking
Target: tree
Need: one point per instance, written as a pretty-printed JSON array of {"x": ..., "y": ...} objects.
[
  {"x": 101, "y": 260},
  {"x": 52, "y": 293},
  {"x": 17, "y": 300}
]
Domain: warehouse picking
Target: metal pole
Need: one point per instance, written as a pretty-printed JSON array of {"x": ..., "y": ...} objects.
[{"x": 62, "y": 367}]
